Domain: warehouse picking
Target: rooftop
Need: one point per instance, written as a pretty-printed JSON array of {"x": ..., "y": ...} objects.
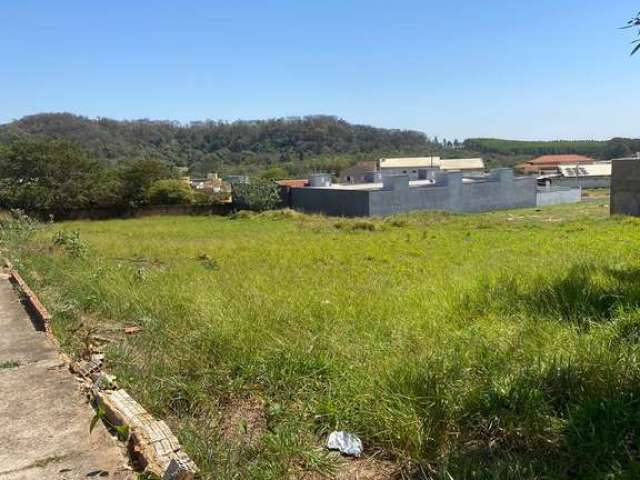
[
  {"x": 431, "y": 162},
  {"x": 593, "y": 170},
  {"x": 559, "y": 159}
]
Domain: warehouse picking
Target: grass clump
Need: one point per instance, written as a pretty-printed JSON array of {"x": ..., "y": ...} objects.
[
  {"x": 500, "y": 345},
  {"x": 9, "y": 364}
]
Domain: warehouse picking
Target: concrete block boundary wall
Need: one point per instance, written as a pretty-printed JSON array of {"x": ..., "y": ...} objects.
[
  {"x": 500, "y": 190},
  {"x": 555, "y": 196},
  {"x": 625, "y": 187}
]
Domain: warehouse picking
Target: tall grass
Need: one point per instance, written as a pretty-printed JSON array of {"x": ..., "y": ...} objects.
[{"x": 501, "y": 345}]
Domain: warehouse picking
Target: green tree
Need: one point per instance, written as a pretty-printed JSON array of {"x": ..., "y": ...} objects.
[
  {"x": 53, "y": 176},
  {"x": 275, "y": 173},
  {"x": 137, "y": 177},
  {"x": 169, "y": 192},
  {"x": 258, "y": 195}
]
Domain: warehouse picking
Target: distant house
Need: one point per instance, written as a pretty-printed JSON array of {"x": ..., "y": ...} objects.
[
  {"x": 295, "y": 183},
  {"x": 287, "y": 185},
  {"x": 412, "y": 165},
  {"x": 602, "y": 169},
  {"x": 548, "y": 164},
  {"x": 357, "y": 173},
  {"x": 595, "y": 175},
  {"x": 211, "y": 183},
  {"x": 466, "y": 165}
]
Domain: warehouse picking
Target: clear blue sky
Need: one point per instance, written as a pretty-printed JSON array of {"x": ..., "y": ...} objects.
[{"x": 457, "y": 68}]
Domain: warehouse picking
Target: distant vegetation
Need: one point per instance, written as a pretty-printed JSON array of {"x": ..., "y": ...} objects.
[
  {"x": 57, "y": 177},
  {"x": 604, "y": 150},
  {"x": 56, "y": 162},
  {"x": 295, "y": 145},
  {"x": 502, "y": 345}
]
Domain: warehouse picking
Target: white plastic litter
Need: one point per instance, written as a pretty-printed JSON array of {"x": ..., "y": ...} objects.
[{"x": 347, "y": 443}]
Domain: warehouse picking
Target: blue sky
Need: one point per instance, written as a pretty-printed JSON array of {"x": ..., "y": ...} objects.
[{"x": 459, "y": 68}]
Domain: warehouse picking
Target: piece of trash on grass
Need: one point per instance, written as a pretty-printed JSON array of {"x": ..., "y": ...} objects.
[
  {"x": 132, "y": 330},
  {"x": 345, "y": 442}
]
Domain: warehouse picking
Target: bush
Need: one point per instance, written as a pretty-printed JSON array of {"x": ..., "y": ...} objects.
[
  {"x": 259, "y": 195},
  {"x": 169, "y": 192},
  {"x": 71, "y": 243}
]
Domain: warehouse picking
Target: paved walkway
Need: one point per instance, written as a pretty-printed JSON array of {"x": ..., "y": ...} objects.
[{"x": 44, "y": 416}]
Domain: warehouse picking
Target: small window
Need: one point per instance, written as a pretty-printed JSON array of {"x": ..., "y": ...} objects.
[{"x": 404, "y": 171}]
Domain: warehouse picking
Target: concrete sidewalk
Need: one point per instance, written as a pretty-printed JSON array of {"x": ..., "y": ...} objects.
[{"x": 44, "y": 416}]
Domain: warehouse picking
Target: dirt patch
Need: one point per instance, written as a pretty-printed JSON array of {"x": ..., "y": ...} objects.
[
  {"x": 359, "y": 469},
  {"x": 243, "y": 422}
]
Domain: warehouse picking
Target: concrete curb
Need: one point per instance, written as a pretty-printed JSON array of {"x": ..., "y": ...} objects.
[
  {"x": 152, "y": 445},
  {"x": 34, "y": 303}
]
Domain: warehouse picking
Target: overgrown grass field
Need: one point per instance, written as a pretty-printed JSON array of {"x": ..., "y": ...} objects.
[{"x": 501, "y": 345}]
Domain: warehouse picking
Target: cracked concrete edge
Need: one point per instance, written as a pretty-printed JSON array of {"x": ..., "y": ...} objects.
[{"x": 151, "y": 441}]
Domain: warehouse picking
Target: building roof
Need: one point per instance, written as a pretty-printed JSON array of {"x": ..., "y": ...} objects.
[
  {"x": 559, "y": 159},
  {"x": 429, "y": 162},
  {"x": 293, "y": 183},
  {"x": 409, "y": 162},
  {"x": 370, "y": 186},
  {"x": 461, "y": 164},
  {"x": 593, "y": 170}
]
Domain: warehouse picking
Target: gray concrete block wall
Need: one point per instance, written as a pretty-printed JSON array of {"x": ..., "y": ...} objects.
[
  {"x": 584, "y": 182},
  {"x": 499, "y": 191},
  {"x": 340, "y": 203},
  {"x": 499, "y": 194},
  {"x": 625, "y": 187},
  {"x": 389, "y": 202},
  {"x": 557, "y": 196}
]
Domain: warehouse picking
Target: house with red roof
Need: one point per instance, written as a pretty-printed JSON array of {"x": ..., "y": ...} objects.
[{"x": 547, "y": 164}]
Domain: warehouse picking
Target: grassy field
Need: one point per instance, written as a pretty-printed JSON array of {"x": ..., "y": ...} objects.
[{"x": 493, "y": 346}]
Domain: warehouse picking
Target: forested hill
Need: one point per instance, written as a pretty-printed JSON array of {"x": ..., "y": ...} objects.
[
  {"x": 604, "y": 150},
  {"x": 284, "y": 147},
  {"x": 221, "y": 146}
]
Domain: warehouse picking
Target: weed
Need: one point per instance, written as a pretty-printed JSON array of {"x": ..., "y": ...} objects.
[
  {"x": 9, "y": 364},
  {"x": 70, "y": 242}
]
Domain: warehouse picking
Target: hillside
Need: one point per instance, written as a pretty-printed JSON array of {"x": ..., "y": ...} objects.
[
  {"x": 293, "y": 146},
  {"x": 296, "y": 144}
]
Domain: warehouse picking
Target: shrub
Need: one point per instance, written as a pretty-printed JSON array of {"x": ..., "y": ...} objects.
[
  {"x": 258, "y": 195},
  {"x": 71, "y": 243},
  {"x": 17, "y": 227},
  {"x": 169, "y": 192}
]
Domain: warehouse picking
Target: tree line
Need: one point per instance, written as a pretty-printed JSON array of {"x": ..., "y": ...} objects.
[
  {"x": 51, "y": 176},
  {"x": 602, "y": 150},
  {"x": 295, "y": 145}
]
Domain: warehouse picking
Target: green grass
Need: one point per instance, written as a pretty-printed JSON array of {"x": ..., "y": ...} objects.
[
  {"x": 494, "y": 346},
  {"x": 9, "y": 364}
]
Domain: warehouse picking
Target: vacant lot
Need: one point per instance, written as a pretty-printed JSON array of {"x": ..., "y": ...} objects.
[{"x": 499, "y": 345}]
